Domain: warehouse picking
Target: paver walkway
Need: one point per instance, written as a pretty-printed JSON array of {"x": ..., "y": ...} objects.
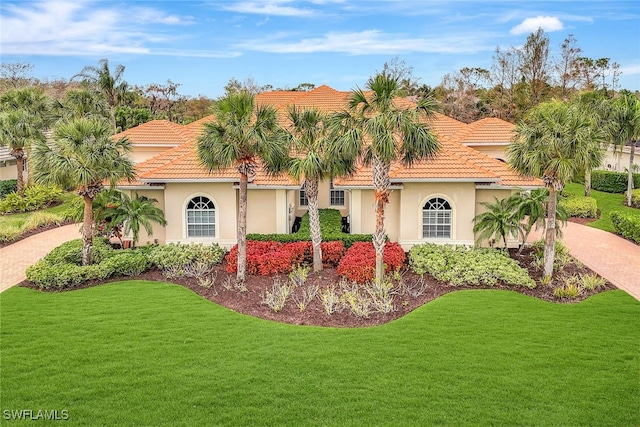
[
  {"x": 15, "y": 258},
  {"x": 612, "y": 257}
]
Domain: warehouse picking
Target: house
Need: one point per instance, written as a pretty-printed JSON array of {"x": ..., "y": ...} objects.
[
  {"x": 8, "y": 168},
  {"x": 433, "y": 201},
  {"x": 617, "y": 159}
]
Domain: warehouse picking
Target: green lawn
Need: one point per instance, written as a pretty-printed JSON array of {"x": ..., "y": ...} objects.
[
  {"x": 607, "y": 203},
  {"x": 147, "y": 353},
  {"x": 18, "y": 219}
]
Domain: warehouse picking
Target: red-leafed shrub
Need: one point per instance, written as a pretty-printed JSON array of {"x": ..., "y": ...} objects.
[
  {"x": 359, "y": 263},
  {"x": 332, "y": 252}
]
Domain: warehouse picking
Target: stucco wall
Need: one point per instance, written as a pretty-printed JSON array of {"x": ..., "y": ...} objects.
[
  {"x": 159, "y": 232},
  {"x": 619, "y": 162},
  {"x": 140, "y": 154},
  {"x": 261, "y": 211},
  {"x": 489, "y": 197},
  {"x": 8, "y": 170},
  {"x": 324, "y": 200},
  {"x": 495, "y": 152}
]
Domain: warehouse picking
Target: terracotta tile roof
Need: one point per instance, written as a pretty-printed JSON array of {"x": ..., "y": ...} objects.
[
  {"x": 455, "y": 161},
  {"x": 156, "y": 132}
]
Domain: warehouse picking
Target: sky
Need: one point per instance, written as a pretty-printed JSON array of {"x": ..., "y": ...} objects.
[{"x": 340, "y": 43}]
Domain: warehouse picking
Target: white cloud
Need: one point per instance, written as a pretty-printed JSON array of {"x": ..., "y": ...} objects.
[
  {"x": 630, "y": 70},
  {"x": 530, "y": 25},
  {"x": 370, "y": 42},
  {"x": 272, "y": 7}
]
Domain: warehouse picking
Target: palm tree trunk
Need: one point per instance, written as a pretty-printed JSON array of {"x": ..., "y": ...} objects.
[
  {"x": 112, "y": 113},
  {"x": 550, "y": 233},
  {"x": 87, "y": 230},
  {"x": 242, "y": 229},
  {"x": 20, "y": 175},
  {"x": 311, "y": 187},
  {"x": 381, "y": 198},
  {"x": 587, "y": 182},
  {"x": 630, "y": 178}
]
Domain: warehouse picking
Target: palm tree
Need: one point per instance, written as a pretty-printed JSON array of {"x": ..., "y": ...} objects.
[
  {"x": 531, "y": 207},
  {"x": 82, "y": 154},
  {"x": 379, "y": 130},
  {"x": 315, "y": 160},
  {"x": 134, "y": 213},
  {"x": 79, "y": 103},
  {"x": 500, "y": 220},
  {"x": 23, "y": 120},
  {"x": 554, "y": 143},
  {"x": 625, "y": 130},
  {"x": 112, "y": 86},
  {"x": 245, "y": 137}
]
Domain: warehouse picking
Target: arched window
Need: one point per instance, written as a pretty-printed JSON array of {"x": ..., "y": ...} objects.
[
  {"x": 201, "y": 217},
  {"x": 436, "y": 219}
]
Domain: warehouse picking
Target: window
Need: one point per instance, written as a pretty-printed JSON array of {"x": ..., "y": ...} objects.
[
  {"x": 436, "y": 219},
  {"x": 336, "y": 196},
  {"x": 201, "y": 217},
  {"x": 303, "y": 201}
]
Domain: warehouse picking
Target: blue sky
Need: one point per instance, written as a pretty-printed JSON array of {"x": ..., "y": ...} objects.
[{"x": 202, "y": 44}]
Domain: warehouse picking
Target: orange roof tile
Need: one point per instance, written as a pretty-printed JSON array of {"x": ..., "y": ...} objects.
[
  {"x": 486, "y": 132},
  {"x": 156, "y": 132}
]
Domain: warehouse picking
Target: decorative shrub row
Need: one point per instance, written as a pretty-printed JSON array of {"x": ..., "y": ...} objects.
[
  {"x": 612, "y": 182},
  {"x": 627, "y": 225},
  {"x": 359, "y": 263},
  {"x": 580, "y": 206},
  {"x": 330, "y": 223},
  {"x": 36, "y": 197},
  {"x": 265, "y": 258},
  {"x": 7, "y": 187},
  {"x": 179, "y": 255},
  {"x": 459, "y": 265}
]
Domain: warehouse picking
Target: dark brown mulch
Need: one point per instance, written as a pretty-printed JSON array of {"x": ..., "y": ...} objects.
[
  {"x": 250, "y": 302},
  {"x": 581, "y": 221}
]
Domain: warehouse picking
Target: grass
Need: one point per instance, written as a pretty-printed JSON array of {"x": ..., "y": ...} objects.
[
  {"x": 607, "y": 203},
  {"x": 148, "y": 353},
  {"x": 18, "y": 220}
]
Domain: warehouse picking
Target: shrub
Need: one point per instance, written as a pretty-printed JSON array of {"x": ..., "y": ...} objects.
[
  {"x": 9, "y": 234},
  {"x": 635, "y": 198},
  {"x": 71, "y": 252},
  {"x": 359, "y": 262},
  {"x": 346, "y": 239},
  {"x": 568, "y": 290},
  {"x": 36, "y": 197},
  {"x": 41, "y": 219},
  {"x": 468, "y": 266},
  {"x": 265, "y": 258},
  {"x": 126, "y": 263},
  {"x": 627, "y": 225},
  {"x": 46, "y": 275},
  {"x": 562, "y": 257},
  {"x": 580, "y": 206},
  {"x": 7, "y": 187},
  {"x": 176, "y": 255},
  {"x": 591, "y": 282},
  {"x": 612, "y": 182}
]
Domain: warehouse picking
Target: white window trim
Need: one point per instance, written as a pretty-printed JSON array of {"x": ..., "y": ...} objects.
[
  {"x": 454, "y": 211},
  {"x": 344, "y": 196},
  {"x": 185, "y": 233}
]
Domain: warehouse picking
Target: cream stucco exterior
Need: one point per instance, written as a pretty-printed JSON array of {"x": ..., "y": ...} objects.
[{"x": 618, "y": 161}]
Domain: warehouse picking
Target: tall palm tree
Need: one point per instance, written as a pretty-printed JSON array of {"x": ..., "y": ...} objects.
[
  {"x": 79, "y": 103},
  {"x": 314, "y": 161},
  {"x": 624, "y": 128},
  {"x": 530, "y": 209},
  {"x": 134, "y": 213},
  {"x": 82, "y": 154},
  {"x": 24, "y": 117},
  {"x": 553, "y": 143},
  {"x": 245, "y": 137},
  {"x": 379, "y": 130},
  {"x": 111, "y": 85},
  {"x": 500, "y": 220}
]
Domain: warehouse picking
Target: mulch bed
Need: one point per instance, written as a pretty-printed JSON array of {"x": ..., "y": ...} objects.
[{"x": 250, "y": 302}]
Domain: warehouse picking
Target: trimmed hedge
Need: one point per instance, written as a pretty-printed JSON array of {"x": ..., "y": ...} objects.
[
  {"x": 460, "y": 266},
  {"x": 180, "y": 255},
  {"x": 627, "y": 225},
  {"x": 580, "y": 206},
  {"x": 612, "y": 182},
  {"x": 330, "y": 226},
  {"x": 7, "y": 187}
]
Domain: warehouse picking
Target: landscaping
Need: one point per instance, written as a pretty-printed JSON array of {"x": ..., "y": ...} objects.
[{"x": 149, "y": 353}]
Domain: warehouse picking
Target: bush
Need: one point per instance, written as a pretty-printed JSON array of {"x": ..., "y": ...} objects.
[
  {"x": 359, "y": 262},
  {"x": 580, "y": 206},
  {"x": 468, "y": 266},
  {"x": 176, "y": 255},
  {"x": 10, "y": 234},
  {"x": 635, "y": 198},
  {"x": 41, "y": 219},
  {"x": 126, "y": 263},
  {"x": 612, "y": 182},
  {"x": 36, "y": 197},
  {"x": 562, "y": 257},
  {"x": 7, "y": 187},
  {"x": 71, "y": 252},
  {"x": 627, "y": 225}
]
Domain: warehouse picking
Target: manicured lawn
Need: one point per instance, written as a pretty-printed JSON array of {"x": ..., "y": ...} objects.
[
  {"x": 607, "y": 203},
  {"x": 148, "y": 353},
  {"x": 18, "y": 219}
]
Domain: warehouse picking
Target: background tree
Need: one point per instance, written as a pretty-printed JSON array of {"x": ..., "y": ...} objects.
[
  {"x": 314, "y": 161},
  {"x": 15, "y": 75},
  {"x": 379, "y": 131},
  {"x": 111, "y": 85},
  {"x": 553, "y": 143},
  {"x": 461, "y": 100},
  {"x": 245, "y": 137},
  {"x": 534, "y": 65},
  {"x": 82, "y": 154},
  {"x": 24, "y": 119},
  {"x": 78, "y": 103},
  {"x": 566, "y": 67},
  {"x": 624, "y": 130}
]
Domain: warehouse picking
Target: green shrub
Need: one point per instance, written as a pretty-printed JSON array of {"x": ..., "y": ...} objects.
[
  {"x": 562, "y": 257},
  {"x": 467, "y": 266},
  {"x": 46, "y": 275},
  {"x": 568, "y": 290},
  {"x": 627, "y": 225},
  {"x": 612, "y": 182},
  {"x": 635, "y": 198},
  {"x": 330, "y": 223},
  {"x": 71, "y": 252},
  {"x": 36, "y": 197},
  {"x": 7, "y": 187},
  {"x": 41, "y": 219},
  {"x": 591, "y": 282},
  {"x": 176, "y": 255},
  {"x": 580, "y": 206},
  {"x": 9, "y": 234},
  {"x": 126, "y": 263}
]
